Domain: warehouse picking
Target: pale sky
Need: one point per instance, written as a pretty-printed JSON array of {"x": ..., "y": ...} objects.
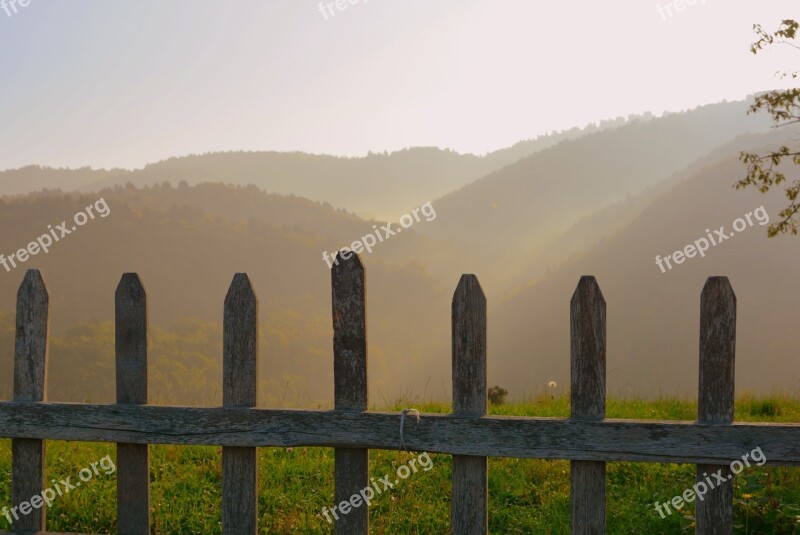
[{"x": 126, "y": 82}]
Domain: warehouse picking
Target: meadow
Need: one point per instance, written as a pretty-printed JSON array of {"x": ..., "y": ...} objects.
[{"x": 525, "y": 496}]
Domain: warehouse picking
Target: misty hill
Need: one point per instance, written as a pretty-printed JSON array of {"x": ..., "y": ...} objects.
[
  {"x": 606, "y": 222},
  {"x": 512, "y": 212},
  {"x": 36, "y": 177},
  {"x": 378, "y": 185},
  {"x": 653, "y": 317},
  {"x": 187, "y": 256}
]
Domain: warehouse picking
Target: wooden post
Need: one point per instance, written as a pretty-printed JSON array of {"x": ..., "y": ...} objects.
[
  {"x": 240, "y": 389},
  {"x": 714, "y": 513},
  {"x": 30, "y": 384},
  {"x": 350, "y": 385},
  {"x": 133, "y": 460},
  {"x": 588, "y": 402},
  {"x": 469, "y": 508}
]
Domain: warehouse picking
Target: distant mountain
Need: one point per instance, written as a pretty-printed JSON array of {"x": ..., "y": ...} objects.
[
  {"x": 35, "y": 178},
  {"x": 653, "y": 316},
  {"x": 513, "y": 212},
  {"x": 378, "y": 185},
  {"x": 606, "y": 222}
]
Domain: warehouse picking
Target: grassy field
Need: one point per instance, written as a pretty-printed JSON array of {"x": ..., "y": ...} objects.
[{"x": 525, "y": 496}]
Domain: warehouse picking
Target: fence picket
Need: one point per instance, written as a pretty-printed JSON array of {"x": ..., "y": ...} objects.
[
  {"x": 714, "y": 513},
  {"x": 588, "y": 402},
  {"x": 469, "y": 508},
  {"x": 240, "y": 389},
  {"x": 349, "y": 308},
  {"x": 30, "y": 384},
  {"x": 133, "y": 460}
]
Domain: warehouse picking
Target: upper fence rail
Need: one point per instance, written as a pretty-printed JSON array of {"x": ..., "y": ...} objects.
[{"x": 587, "y": 438}]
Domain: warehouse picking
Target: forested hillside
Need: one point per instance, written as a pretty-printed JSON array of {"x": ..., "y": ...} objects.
[
  {"x": 187, "y": 256},
  {"x": 653, "y": 315}
]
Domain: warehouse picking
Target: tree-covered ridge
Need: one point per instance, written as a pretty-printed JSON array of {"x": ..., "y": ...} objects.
[{"x": 186, "y": 243}]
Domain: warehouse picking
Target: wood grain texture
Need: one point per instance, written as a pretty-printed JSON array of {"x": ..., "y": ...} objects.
[
  {"x": 133, "y": 460},
  {"x": 469, "y": 507},
  {"x": 488, "y": 436},
  {"x": 240, "y": 389},
  {"x": 588, "y": 351},
  {"x": 716, "y": 396},
  {"x": 28, "y": 463},
  {"x": 588, "y": 402},
  {"x": 349, "y": 311}
]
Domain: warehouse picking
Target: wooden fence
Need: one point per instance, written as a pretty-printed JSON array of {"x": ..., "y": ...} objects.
[{"x": 587, "y": 439}]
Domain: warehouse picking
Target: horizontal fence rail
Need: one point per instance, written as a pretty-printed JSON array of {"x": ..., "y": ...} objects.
[
  {"x": 486, "y": 436},
  {"x": 588, "y": 439}
]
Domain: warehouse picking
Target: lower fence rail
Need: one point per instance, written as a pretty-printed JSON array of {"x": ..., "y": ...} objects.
[{"x": 668, "y": 441}]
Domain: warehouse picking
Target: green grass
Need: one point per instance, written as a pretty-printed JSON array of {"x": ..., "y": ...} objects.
[{"x": 525, "y": 496}]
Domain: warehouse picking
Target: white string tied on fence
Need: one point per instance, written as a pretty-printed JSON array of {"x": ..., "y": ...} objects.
[{"x": 413, "y": 412}]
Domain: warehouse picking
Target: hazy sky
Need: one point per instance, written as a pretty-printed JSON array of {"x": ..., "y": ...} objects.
[{"x": 123, "y": 83}]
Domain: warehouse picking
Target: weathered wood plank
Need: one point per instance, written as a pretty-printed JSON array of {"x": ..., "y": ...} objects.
[
  {"x": 469, "y": 507},
  {"x": 715, "y": 403},
  {"x": 240, "y": 389},
  {"x": 28, "y": 464},
  {"x": 588, "y": 402},
  {"x": 490, "y": 436},
  {"x": 349, "y": 310},
  {"x": 133, "y": 460}
]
